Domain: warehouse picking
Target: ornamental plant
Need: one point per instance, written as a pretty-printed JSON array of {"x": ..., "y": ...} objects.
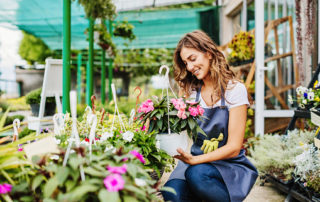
[
  {"x": 241, "y": 48},
  {"x": 183, "y": 115},
  {"x": 307, "y": 98},
  {"x": 124, "y": 29}
]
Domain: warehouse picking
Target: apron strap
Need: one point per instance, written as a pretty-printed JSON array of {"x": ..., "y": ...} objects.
[{"x": 223, "y": 103}]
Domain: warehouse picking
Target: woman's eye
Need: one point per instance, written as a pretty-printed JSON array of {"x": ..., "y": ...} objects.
[{"x": 192, "y": 59}]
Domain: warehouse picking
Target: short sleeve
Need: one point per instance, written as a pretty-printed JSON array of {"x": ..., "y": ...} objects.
[{"x": 237, "y": 95}]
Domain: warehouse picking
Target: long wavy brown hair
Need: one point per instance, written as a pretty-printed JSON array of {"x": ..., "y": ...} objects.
[{"x": 220, "y": 71}]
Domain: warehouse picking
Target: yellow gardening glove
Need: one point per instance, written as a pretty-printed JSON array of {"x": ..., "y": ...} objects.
[{"x": 211, "y": 145}]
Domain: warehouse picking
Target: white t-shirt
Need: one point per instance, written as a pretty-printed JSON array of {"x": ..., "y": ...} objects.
[{"x": 235, "y": 95}]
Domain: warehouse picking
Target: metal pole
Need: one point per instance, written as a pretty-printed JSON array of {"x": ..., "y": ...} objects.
[
  {"x": 244, "y": 16},
  {"x": 90, "y": 64},
  {"x": 79, "y": 80},
  {"x": 66, "y": 55},
  {"x": 259, "y": 75},
  {"x": 110, "y": 68},
  {"x": 103, "y": 76}
]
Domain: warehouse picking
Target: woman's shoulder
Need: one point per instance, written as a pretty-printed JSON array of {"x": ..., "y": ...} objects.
[{"x": 236, "y": 94}]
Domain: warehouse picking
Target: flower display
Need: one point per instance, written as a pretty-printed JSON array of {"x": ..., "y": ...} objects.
[
  {"x": 5, "y": 188},
  {"x": 138, "y": 156},
  {"x": 183, "y": 115},
  {"x": 114, "y": 182},
  {"x": 118, "y": 170},
  {"x": 306, "y": 98}
]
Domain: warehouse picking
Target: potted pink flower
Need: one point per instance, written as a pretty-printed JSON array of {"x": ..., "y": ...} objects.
[{"x": 171, "y": 119}]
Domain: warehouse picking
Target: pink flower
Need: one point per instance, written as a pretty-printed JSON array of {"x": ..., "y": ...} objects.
[
  {"x": 182, "y": 114},
  {"x": 5, "y": 188},
  {"x": 200, "y": 109},
  {"x": 178, "y": 104},
  {"x": 146, "y": 106},
  {"x": 143, "y": 128},
  {"x": 191, "y": 102},
  {"x": 138, "y": 156},
  {"x": 118, "y": 170},
  {"x": 20, "y": 149},
  {"x": 113, "y": 182},
  {"x": 193, "y": 111},
  {"x": 125, "y": 159}
]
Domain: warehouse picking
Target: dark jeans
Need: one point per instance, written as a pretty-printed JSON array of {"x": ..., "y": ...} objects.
[{"x": 203, "y": 182}]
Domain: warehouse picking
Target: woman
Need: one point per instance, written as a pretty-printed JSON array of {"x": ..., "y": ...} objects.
[{"x": 223, "y": 174}]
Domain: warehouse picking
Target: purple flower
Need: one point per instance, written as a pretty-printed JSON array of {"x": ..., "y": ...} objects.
[
  {"x": 114, "y": 182},
  {"x": 305, "y": 95},
  {"x": 118, "y": 170},
  {"x": 5, "y": 188},
  {"x": 138, "y": 156}
]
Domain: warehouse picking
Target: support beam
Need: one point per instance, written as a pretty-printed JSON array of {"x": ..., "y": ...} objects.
[
  {"x": 90, "y": 64},
  {"x": 66, "y": 55},
  {"x": 79, "y": 80},
  {"x": 103, "y": 76},
  {"x": 259, "y": 75},
  {"x": 110, "y": 68}
]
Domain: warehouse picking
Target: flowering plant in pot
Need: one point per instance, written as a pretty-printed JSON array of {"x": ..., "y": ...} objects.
[
  {"x": 33, "y": 98},
  {"x": 176, "y": 115},
  {"x": 307, "y": 97}
]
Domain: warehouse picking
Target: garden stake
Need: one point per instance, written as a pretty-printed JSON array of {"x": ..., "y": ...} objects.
[
  {"x": 16, "y": 127},
  {"x": 93, "y": 98},
  {"x": 137, "y": 101},
  {"x": 116, "y": 110}
]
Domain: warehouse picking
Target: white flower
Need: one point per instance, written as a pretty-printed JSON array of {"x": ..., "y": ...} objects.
[
  {"x": 108, "y": 148},
  {"x": 140, "y": 182},
  {"x": 106, "y": 135},
  {"x": 304, "y": 101},
  {"x": 54, "y": 157},
  {"x": 301, "y": 106},
  {"x": 158, "y": 144},
  {"x": 58, "y": 141},
  {"x": 311, "y": 96},
  {"x": 72, "y": 151},
  {"x": 83, "y": 142},
  {"x": 301, "y": 90},
  {"x": 128, "y": 136},
  {"x": 290, "y": 99}
]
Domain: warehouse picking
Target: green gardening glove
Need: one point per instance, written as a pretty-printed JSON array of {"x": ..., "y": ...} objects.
[{"x": 211, "y": 145}]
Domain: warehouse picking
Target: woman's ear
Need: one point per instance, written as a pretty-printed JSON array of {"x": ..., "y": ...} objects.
[{"x": 209, "y": 55}]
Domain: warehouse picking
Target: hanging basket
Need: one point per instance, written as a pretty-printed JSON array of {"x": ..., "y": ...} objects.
[{"x": 171, "y": 142}]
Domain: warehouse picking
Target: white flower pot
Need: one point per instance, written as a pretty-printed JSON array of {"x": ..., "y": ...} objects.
[{"x": 170, "y": 143}]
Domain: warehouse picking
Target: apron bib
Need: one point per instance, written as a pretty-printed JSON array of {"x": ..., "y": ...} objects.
[{"x": 238, "y": 173}]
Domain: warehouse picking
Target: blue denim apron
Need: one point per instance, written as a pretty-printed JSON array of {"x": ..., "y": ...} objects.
[{"x": 238, "y": 173}]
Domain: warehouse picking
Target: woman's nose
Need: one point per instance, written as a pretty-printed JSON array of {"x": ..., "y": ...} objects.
[{"x": 189, "y": 66}]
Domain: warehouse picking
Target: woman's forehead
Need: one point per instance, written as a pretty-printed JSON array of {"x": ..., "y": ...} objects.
[{"x": 186, "y": 52}]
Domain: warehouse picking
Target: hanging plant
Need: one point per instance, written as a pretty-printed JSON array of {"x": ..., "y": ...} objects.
[
  {"x": 103, "y": 38},
  {"x": 124, "y": 29},
  {"x": 99, "y": 8}
]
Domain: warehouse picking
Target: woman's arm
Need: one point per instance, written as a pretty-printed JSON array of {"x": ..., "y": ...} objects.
[{"x": 236, "y": 129}]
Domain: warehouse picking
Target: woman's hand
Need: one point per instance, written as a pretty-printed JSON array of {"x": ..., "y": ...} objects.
[{"x": 185, "y": 157}]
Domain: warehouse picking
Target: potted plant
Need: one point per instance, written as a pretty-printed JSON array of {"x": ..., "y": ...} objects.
[
  {"x": 241, "y": 49},
  {"x": 171, "y": 118},
  {"x": 124, "y": 29},
  {"x": 33, "y": 98}
]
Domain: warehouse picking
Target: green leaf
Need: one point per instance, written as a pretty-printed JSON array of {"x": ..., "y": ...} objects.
[
  {"x": 106, "y": 196},
  {"x": 93, "y": 172},
  {"x": 199, "y": 130},
  {"x": 173, "y": 113},
  {"x": 168, "y": 189},
  {"x": 132, "y": 170},
  {"x": 82, "y": 190},
  {"x": 135, "y": 190},
  {"x": 183, "y": 124},
  {"x": 62, "y": 174},
  {"x": 191, "y": 123},
  {"x": 160, "y": 123},
  {"x": 70, "y": 184},
  {"x": 37, "y": 181},
  {"x": 128, "y": 198},
  {"x": 50, "y": 186},
  {"x": 3, "y": 118}
]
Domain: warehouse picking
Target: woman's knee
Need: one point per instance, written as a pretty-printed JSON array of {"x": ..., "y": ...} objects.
[{"x": 181, "y": 189}]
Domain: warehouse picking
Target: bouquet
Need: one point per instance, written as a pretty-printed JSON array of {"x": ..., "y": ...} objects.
[{"x": 182, "y": 114}]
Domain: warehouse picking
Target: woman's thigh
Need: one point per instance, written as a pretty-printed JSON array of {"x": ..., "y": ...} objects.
[
  {"x": 183, "y": 192},
  {"x": 207, "y": 183}
]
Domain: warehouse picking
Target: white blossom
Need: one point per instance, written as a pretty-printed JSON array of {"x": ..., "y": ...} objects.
[
  {"x": 140, "y": 182},
  {"x": 54, "y": 157},
  {"x": 290, "y": 99},
  {"x": 304, "y": 101},
  {"x": 311, "y": 96},
  {"x": 106, "y": 135},
  {"x": 158, "y": 144},
  {"x": 128, "y": 136},
  {"x": 108, "y": 148},
  {"x": 58, "y": 141}
]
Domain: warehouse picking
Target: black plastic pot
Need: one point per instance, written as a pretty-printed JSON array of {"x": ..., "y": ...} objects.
[{"x": 49, "y": 110}]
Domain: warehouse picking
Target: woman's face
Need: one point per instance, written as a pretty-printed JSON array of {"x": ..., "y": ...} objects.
[{"x": 197, "y": 63}]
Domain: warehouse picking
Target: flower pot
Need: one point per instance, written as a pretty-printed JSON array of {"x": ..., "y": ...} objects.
[
  {"x": 170, "y": 143},
  {"x": 50, "y": 109}
]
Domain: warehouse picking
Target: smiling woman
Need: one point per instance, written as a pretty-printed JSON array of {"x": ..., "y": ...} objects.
[{"x": 216, "y": 168}]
